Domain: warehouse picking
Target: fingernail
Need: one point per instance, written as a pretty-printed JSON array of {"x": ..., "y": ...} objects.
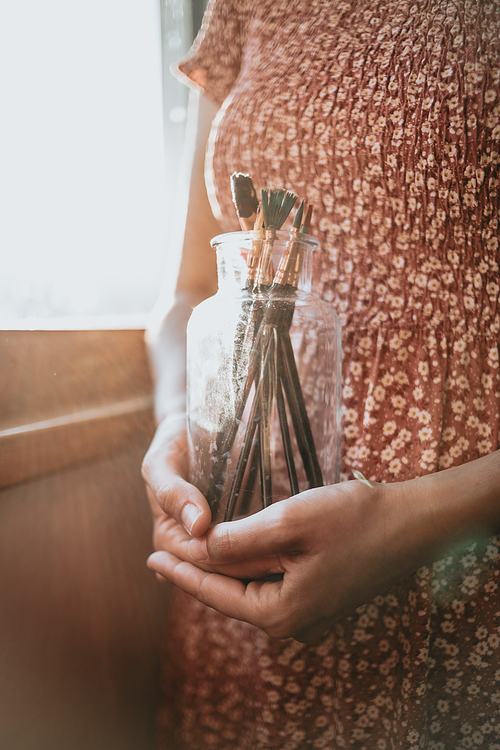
[
  {"x": 153, "y": 560},
  {"x": 189, "y": 515},
  {"x": 197, "y": 550}
]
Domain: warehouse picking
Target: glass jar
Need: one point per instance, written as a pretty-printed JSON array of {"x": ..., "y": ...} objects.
[{"x": 263, "y": 377}]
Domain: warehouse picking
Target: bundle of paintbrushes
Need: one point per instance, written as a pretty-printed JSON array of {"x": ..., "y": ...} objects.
[{"x": 265, "y": 373}]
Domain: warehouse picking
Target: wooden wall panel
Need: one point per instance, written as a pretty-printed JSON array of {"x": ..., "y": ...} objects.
[
  {"x": 67, "y": 397},
  {"x": 50, "y": 373},
  {"x": 81, "y": 618},
  {"x": 37, "y": 449}
]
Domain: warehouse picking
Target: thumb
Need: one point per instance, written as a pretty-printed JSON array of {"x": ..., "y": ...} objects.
[
  {"x": 164, "y": 470},
  {"x": 269, "y": 532}
]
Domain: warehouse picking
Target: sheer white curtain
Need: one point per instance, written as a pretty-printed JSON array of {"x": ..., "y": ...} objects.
[{"x": 84, "y": 193}]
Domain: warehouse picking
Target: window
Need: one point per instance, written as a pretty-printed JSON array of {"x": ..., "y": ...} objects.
[
  {"x": 84, "y": 192},
  {"x": 85, "y": 202}
]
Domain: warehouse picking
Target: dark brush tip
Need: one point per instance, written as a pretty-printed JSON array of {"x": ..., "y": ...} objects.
[
  {"x": 298, "y": 216},
  {"x": 265, "y": 207},
  {"x": 244, "y": 195},
  {"x": 307, "y": 221}
]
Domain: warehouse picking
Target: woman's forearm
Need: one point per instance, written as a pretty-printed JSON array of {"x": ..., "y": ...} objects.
[
  {"x": 460, "y": 504},
  {"x": 168, "y": 352},
  {"x": 197, "y": 275}
]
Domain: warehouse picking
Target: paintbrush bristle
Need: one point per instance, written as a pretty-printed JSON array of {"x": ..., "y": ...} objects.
[
  {"x": 276, "y": 206},
  {"x": 298, "y": 216},
  {"x": 307, "y": 221}
]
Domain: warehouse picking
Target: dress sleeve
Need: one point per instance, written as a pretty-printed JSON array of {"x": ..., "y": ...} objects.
[{"x": 214, "y": 60}]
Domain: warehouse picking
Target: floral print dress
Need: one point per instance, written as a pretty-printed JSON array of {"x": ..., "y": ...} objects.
[{"x": 386, "y": 116}]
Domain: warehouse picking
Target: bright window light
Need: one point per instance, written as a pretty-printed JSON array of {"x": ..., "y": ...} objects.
[{"x": 83, "y": 189}]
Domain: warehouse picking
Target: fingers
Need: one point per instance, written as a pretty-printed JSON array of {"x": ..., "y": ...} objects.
[
  {"x": 169, "y": 536},
  {"x": 165, "y": 470},
  {"x": 313, "y": 634},
  {"x": 271, "y": 605},
  {"x": 254, "y": 602},
  {"x": 274, "y": 530}
]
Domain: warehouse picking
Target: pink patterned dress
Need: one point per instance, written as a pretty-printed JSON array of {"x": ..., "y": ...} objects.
[{"x": 385, "y": 114}]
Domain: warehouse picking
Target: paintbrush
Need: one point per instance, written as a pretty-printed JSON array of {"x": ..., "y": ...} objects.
[
  {"x": 244, "y": 199},
  {"x": 276, "y": 206},
  {"x": 285, "y": 283},
  {"x": 280, "y": 372},
  {"x": 283, "y": 380}
]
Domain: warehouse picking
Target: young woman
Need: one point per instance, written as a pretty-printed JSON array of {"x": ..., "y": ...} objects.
[{"x": 384, "y": 631}]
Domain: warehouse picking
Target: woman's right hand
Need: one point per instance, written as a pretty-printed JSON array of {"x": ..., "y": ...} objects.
[
  {"x": 180, "y": 512},
  {"x": 176, "y": 505}
]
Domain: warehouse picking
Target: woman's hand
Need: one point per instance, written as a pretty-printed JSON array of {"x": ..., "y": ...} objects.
[
  {"x": 180, "y": 512},
  {"x": 337, "y": 548},
  {"x": 173, "y": 500}
]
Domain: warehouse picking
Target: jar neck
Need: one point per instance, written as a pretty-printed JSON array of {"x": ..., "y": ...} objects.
[{"x": 260, "y": 261}]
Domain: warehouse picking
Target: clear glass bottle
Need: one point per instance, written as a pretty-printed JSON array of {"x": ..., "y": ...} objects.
[{"x": 263, "y": 377}]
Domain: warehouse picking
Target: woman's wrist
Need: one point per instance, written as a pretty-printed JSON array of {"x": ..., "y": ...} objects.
[
  {"x": 424, "y": 519},
  {"x": 459, "y": 504}
]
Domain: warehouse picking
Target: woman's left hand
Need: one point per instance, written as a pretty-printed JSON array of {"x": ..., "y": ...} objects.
[{"x": 337, "y": 547}]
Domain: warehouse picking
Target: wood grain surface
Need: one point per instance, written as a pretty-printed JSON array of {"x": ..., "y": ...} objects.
[
  {"x": 68, "y": 397},
  {"x": 82, "y": 619}
]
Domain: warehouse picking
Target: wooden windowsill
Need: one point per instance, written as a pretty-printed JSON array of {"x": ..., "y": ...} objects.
[
  {"x": 69, "y": 397},
  {"x": 137, "y": 321}
]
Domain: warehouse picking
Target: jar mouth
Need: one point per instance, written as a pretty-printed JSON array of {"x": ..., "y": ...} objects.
[{"x": 280, "y": 235}]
